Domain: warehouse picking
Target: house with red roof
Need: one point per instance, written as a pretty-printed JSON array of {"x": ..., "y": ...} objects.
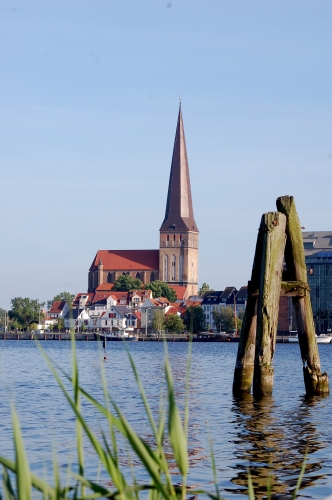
[{"x": 58, "y": 309}]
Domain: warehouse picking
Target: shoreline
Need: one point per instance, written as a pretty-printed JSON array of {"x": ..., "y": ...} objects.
[{"x": 93, "y": 337}]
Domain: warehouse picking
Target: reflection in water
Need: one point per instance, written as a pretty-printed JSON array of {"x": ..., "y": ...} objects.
[{"x": 274, "y": 448}]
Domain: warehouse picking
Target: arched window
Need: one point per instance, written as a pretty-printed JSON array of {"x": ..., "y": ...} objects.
[
  {"x": 174, "y": 237},
  {"x": 173, "y": 271},
  {"x": 110, "y": 278},
  {"x": 138, "y": 275},
  {"x": 167, "y": 237},
  {"x": 181, "y": 268},
  {"x": 152, "y": 276},
  {"x": 165, "y": 267}
]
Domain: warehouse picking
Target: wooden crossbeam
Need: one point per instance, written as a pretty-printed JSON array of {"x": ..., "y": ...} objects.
[
  {"x": 294, "y": 289},
  {"x": 290, "y": 289}
]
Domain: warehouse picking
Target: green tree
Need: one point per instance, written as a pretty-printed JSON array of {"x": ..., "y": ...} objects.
[
  {"x": 25, "y": 311},
  {"x": 125, "y": 283},
  {"x": 161, "y": 289},
  {"x": 68, "y": 297},
  {"x": 224, "y": 319},
  {"x": 194, "y": 319},
  {"x": 60, "y": 324},
  {"x": 204, "y": 289},
  {"x": 173, "y": 323},
  {"x": 158, "y": 320}
]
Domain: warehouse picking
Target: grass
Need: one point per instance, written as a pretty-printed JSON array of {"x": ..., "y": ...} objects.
[{"x": 153, "y": 459}]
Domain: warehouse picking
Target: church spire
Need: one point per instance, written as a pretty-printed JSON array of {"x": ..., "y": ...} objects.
[{"x": 179, "y": 215}]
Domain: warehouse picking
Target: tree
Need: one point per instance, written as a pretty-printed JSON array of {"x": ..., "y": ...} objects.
[
  {"x": 224, "y": 319},
  {"x": 161, "y": 289},
  {"x": 66, "y": 296},
  {"x": 60, "y": 324},
  {"x": 173, "y": 323},
  {"x": 194, "y": 319},
  {"x": 158, "y": 320},
  {"x": 25, "y": 311},
  {"x": 125, "y": 283},
  {"x": 204, "y": 289}
]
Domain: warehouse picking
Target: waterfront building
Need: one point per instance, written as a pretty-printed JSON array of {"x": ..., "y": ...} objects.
[
  {"x": 318, "y": 257},
  {"x": 214, "y": 301},
  {"x": 59, "y": 309},
  {"x": 176, "y": 260}
]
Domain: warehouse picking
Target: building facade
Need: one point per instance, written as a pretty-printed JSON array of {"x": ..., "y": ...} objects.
[{"x": 318, "y": 257}]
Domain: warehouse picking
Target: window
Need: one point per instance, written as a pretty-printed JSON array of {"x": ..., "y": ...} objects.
[
  {"x": 180, "y": 268},
  {"x": 173, "y": 268},
  {"x": 165, "y": 267}
]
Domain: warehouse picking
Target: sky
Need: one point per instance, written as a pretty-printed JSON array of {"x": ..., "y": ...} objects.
[{"x": 89, "y": 96}]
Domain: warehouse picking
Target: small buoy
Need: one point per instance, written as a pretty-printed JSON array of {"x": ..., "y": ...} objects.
[{"x": 105, "y": 357}]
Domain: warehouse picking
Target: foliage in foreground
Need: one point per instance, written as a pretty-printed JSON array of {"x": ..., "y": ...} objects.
[{"x": 153, "y": 459}]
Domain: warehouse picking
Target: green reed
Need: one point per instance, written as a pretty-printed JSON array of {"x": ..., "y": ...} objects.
[{"x": 153, "y": 459}]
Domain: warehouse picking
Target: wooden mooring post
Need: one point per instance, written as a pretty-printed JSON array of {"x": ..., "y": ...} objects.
[
  {"x": 315, "y": 382},
  {"x": 274, "y": 239},
  {"x": 279, "y": 236}
]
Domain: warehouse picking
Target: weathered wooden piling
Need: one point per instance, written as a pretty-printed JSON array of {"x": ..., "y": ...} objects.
[
  {"x": 273, "y": 226},
  {"x": 244, "y": 366},
  {"x": 315, "y": 381}
]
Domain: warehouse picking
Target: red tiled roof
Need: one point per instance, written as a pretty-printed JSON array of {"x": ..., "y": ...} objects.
[
  {"x": 104, "y": 287},
  {"x": 127, "y": 260},
  {"x": 119, "y": 295},
  {"x": 101, "y": 295},
  {"x": 179, "y": 290},
  {"x": 172, "y": 310},
  {"x": 193, "y": 303},
  {"x": 57, "y": 306}
]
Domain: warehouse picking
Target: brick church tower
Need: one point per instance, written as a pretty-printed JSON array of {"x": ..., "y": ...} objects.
[{"x": 178, "y": 254}]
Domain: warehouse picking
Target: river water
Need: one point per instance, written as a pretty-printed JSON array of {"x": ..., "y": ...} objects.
[{"x": 269, "y": 436}]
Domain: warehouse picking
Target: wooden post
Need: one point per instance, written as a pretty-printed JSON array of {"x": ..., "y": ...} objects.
[
  {"x": 273, "y": 225},
  {"x": 315, "y": 381},
  {"x": 244, "y": 366}
]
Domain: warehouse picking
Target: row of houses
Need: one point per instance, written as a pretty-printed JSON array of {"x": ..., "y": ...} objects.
[{"x": 106, "y": 310}]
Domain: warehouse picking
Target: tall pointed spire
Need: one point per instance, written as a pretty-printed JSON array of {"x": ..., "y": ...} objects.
[{"x": 179, "y": 215}]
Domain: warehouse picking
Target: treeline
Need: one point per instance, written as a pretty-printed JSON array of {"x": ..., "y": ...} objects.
[{"x": 26, "y": 313}]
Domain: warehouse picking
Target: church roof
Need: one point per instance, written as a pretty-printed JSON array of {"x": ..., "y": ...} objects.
[
  {"x": 179, "y": 215},
  {"x": 127, "y": 260}
]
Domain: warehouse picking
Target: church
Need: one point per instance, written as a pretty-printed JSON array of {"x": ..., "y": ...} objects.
[{"x": 176, "y": 261}]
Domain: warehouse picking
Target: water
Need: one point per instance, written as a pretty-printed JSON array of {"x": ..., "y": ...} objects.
[{"x": 270, "y": 436}]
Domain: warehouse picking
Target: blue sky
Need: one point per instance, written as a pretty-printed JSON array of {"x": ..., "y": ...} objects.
[{"x": 89, "y": 96}]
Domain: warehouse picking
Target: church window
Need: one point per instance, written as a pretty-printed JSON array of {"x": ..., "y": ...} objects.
[
  {"x": 165, "y": 267},
  {"x": 152, "y": 276},
  {"x": 174, "y": 237},
  {"x": 168, "y": 237},
  {"x": 173, "y": 267}
]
